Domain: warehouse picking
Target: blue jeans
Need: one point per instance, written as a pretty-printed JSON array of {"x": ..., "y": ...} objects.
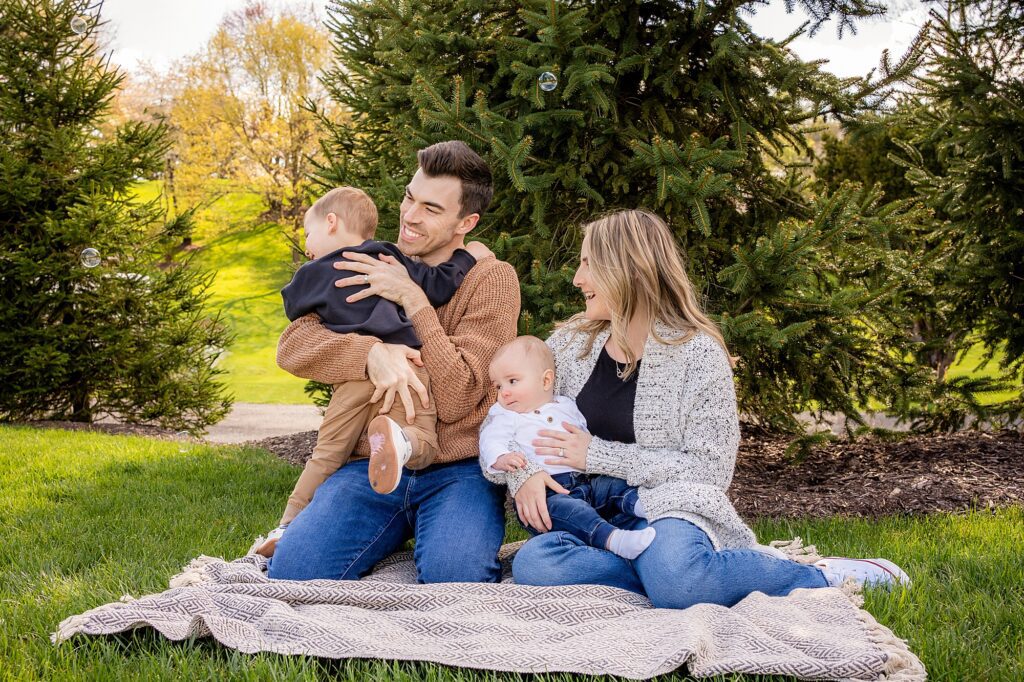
[
  {"x": 590, "y": 499},
  {"x": 456, "y": 515},
  {"x": 678, "y": 570}
]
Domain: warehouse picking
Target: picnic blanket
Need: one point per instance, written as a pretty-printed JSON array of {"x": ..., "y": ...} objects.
[{"x": 588, "y": 629}]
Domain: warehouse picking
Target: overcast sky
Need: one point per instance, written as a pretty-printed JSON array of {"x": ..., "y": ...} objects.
[{"x": 160, "y": 31}]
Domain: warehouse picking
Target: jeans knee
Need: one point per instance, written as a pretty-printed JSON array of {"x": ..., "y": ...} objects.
[{"x": 535, "y": 564}]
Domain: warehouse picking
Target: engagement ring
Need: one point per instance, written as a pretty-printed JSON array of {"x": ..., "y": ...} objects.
[
  {"x": 561, "y": 452},
  {"x": 366, "y": 279}
]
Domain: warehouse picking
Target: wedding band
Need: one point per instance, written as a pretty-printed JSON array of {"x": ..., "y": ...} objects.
[
  {"x": 366, "y": 279},
  {"x": 561, "y": 452}
]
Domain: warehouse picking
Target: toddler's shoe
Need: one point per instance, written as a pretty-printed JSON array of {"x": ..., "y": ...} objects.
[
  {"x": 390, "y": 449},
  {"x": 269, "y": 544},
  {"x": 867, "y": 572}
]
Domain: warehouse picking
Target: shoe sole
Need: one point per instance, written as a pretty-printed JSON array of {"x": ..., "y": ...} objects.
[{"x": 385, "y": 471}]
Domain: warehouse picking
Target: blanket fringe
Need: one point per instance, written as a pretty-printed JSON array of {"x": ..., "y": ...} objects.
[
  {"x": 69, "y": 627},
  {"x": 901, "y": 665},
  {"x": 195, "y": 572},
  {"x": 796, "y": 551}
]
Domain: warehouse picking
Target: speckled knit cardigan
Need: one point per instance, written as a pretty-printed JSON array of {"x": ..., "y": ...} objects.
[{"x": 686, "y": 425}]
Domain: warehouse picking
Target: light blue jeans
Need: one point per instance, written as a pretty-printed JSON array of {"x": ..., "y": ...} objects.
[
  {"x": 456, "y": 515},
  {"x": 679, "y": 569}
]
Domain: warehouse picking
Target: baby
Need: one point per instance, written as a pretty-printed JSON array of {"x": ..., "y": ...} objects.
[
  {"x": 345, "y": 219},
  {"x": 523, "y": 371}
]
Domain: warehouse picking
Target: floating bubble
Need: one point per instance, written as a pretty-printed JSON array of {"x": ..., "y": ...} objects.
[
  {"x": 547, "y": 81},
  {"x": 79, "y": 25},
  {"x": 90, "y": 257},
  {"x": 183, "y": 438}
]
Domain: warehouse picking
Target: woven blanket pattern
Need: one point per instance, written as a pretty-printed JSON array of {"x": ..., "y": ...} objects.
[{"x": 810, "y": 634}]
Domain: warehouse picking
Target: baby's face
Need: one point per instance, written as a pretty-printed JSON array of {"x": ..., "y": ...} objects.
[{"x": 520, "y": 382}]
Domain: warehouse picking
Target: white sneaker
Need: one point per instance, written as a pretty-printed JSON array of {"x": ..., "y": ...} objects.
[
  {"x": 390, "y": 449},
  {"x": 867, "y": 572},
  {"x": 269, "y": 544}
]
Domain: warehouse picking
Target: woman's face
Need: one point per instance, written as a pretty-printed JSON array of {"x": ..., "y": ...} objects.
[{"x": 597, "y": 306}]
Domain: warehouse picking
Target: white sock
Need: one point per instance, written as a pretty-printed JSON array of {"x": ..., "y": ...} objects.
[
  {"x": 639, "y": 510},
  {"x": 629, "y": 544}
]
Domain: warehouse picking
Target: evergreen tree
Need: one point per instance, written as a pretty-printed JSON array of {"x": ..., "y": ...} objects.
[
  {"x": 680, "y": 107},
  {"x": 968, "y": 105},
  {"x": 88, "y": 322}
]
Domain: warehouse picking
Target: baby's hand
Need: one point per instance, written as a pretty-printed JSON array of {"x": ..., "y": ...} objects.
[
  {"x": 478, "y": 250},
  {"x": 510, "y": 461}
]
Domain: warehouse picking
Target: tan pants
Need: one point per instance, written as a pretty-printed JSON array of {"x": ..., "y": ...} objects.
[{"x": 343, "y": 432}]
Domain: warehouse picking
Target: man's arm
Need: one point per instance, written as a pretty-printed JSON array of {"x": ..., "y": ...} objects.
[
  {"x": 457, "y": 363},
  {"x": 309, "y": 350}
]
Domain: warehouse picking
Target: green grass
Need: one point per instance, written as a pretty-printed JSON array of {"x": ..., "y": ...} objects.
[
  {"x": 251, "y": 261},
  {"x": 87, "y": 518}
]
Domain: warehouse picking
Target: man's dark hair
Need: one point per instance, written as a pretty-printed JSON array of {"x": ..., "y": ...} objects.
[{"x": 454, "y": 158}]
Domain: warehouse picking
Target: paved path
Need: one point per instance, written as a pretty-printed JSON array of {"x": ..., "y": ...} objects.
[{"x": 254, "y": 421}]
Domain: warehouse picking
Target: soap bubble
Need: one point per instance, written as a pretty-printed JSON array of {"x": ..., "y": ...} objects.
[
  {"x": 90, "y": 257},
  {"x": 79, "y": 25},
  {"x": 547, "y": 81},
  {"x": 183, "y": 438}
]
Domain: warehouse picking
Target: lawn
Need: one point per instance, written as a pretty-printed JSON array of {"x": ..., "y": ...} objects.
[
  {"x": 89, "y": 517},
  {"x": 251, "y": 261}
]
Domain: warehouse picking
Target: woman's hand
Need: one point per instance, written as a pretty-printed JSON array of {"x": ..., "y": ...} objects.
[
  {"x": 532, "y": 503},
  {"x": 568, "y": 448},
  {"x": 384, "y": 277}
]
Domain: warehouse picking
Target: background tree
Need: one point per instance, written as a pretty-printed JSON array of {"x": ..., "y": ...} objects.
[
  {"x": 242, "y": 111},
  {"x": 582, "y": 107},
  {"x": 89, "y": 324},
  {"x": 968, "y": 105}
]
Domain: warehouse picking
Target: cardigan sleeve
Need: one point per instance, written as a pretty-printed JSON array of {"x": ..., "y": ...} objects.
[{"x": 710, "y": 428}]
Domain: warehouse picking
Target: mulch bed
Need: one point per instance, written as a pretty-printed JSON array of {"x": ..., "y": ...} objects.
[{"x": 867, "y": 477}]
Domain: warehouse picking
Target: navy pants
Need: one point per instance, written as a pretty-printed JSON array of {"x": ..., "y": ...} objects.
[{"x": 591, "y": 499}]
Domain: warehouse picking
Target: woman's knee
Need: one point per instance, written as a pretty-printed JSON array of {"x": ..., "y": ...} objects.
[
  {"x": 691, "y": 580},
  {"x": 536, "y": 562}
]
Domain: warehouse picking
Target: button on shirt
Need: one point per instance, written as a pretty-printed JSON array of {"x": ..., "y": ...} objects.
[{"x": 507, "y": 431}]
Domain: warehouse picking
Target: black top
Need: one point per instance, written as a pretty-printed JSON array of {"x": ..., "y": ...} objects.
[
  {"x": 312, "y": 290},
  {"x": 607, "y": 401}
]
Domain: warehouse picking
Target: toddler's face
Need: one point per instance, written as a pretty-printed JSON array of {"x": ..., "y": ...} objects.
[
  {"x": 317, "y": 243},
  {"x": 522, "y": 384}
]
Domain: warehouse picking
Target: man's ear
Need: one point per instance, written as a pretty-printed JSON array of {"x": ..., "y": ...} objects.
[
  {"x": 548, "y": 379},
  {"x": 467, "y": 223}
]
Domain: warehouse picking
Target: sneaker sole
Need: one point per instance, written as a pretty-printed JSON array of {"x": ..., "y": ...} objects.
[
  {"x": 385, "y": 471},
  {"x": 899, "y": 576}
]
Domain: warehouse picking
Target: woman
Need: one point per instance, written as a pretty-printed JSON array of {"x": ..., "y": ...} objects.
[{"x": 652, "y": 376}]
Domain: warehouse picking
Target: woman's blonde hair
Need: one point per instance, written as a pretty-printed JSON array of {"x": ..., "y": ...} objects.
[{"x": 637, "y": 267}]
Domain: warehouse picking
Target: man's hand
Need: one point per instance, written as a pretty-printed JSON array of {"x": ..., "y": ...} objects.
[
  {"x": 510, "y": 461},
  {"x": 532, "y": 503},
  {"x": 384, "y": 277},
  {"x": 478, "y": 250},
  {"x": 388, "y": 368}
]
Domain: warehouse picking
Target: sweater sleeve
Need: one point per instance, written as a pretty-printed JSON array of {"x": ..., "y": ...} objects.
[
  {"x": 309, "y": 350},
  {"x": 710, "y": 428},
  {"x": 457, "y": 363}
]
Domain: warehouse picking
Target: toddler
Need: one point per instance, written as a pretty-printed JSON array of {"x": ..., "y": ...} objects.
[
  {"x": 523, "y": 371},
  {"x": 345, "y": 219}
]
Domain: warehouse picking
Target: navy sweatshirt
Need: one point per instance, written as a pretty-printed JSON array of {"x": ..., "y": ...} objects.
[{"x": 312, "y": 290}]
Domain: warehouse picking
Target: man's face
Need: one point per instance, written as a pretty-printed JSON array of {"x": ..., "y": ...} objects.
[{"x": 429, "y": 217}]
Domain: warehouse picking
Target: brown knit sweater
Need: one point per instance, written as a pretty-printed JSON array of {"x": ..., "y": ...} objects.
[{"x": 459, "y": 339}]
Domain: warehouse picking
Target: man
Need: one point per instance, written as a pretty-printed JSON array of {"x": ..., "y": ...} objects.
[{"x": 456, "y": 516}]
